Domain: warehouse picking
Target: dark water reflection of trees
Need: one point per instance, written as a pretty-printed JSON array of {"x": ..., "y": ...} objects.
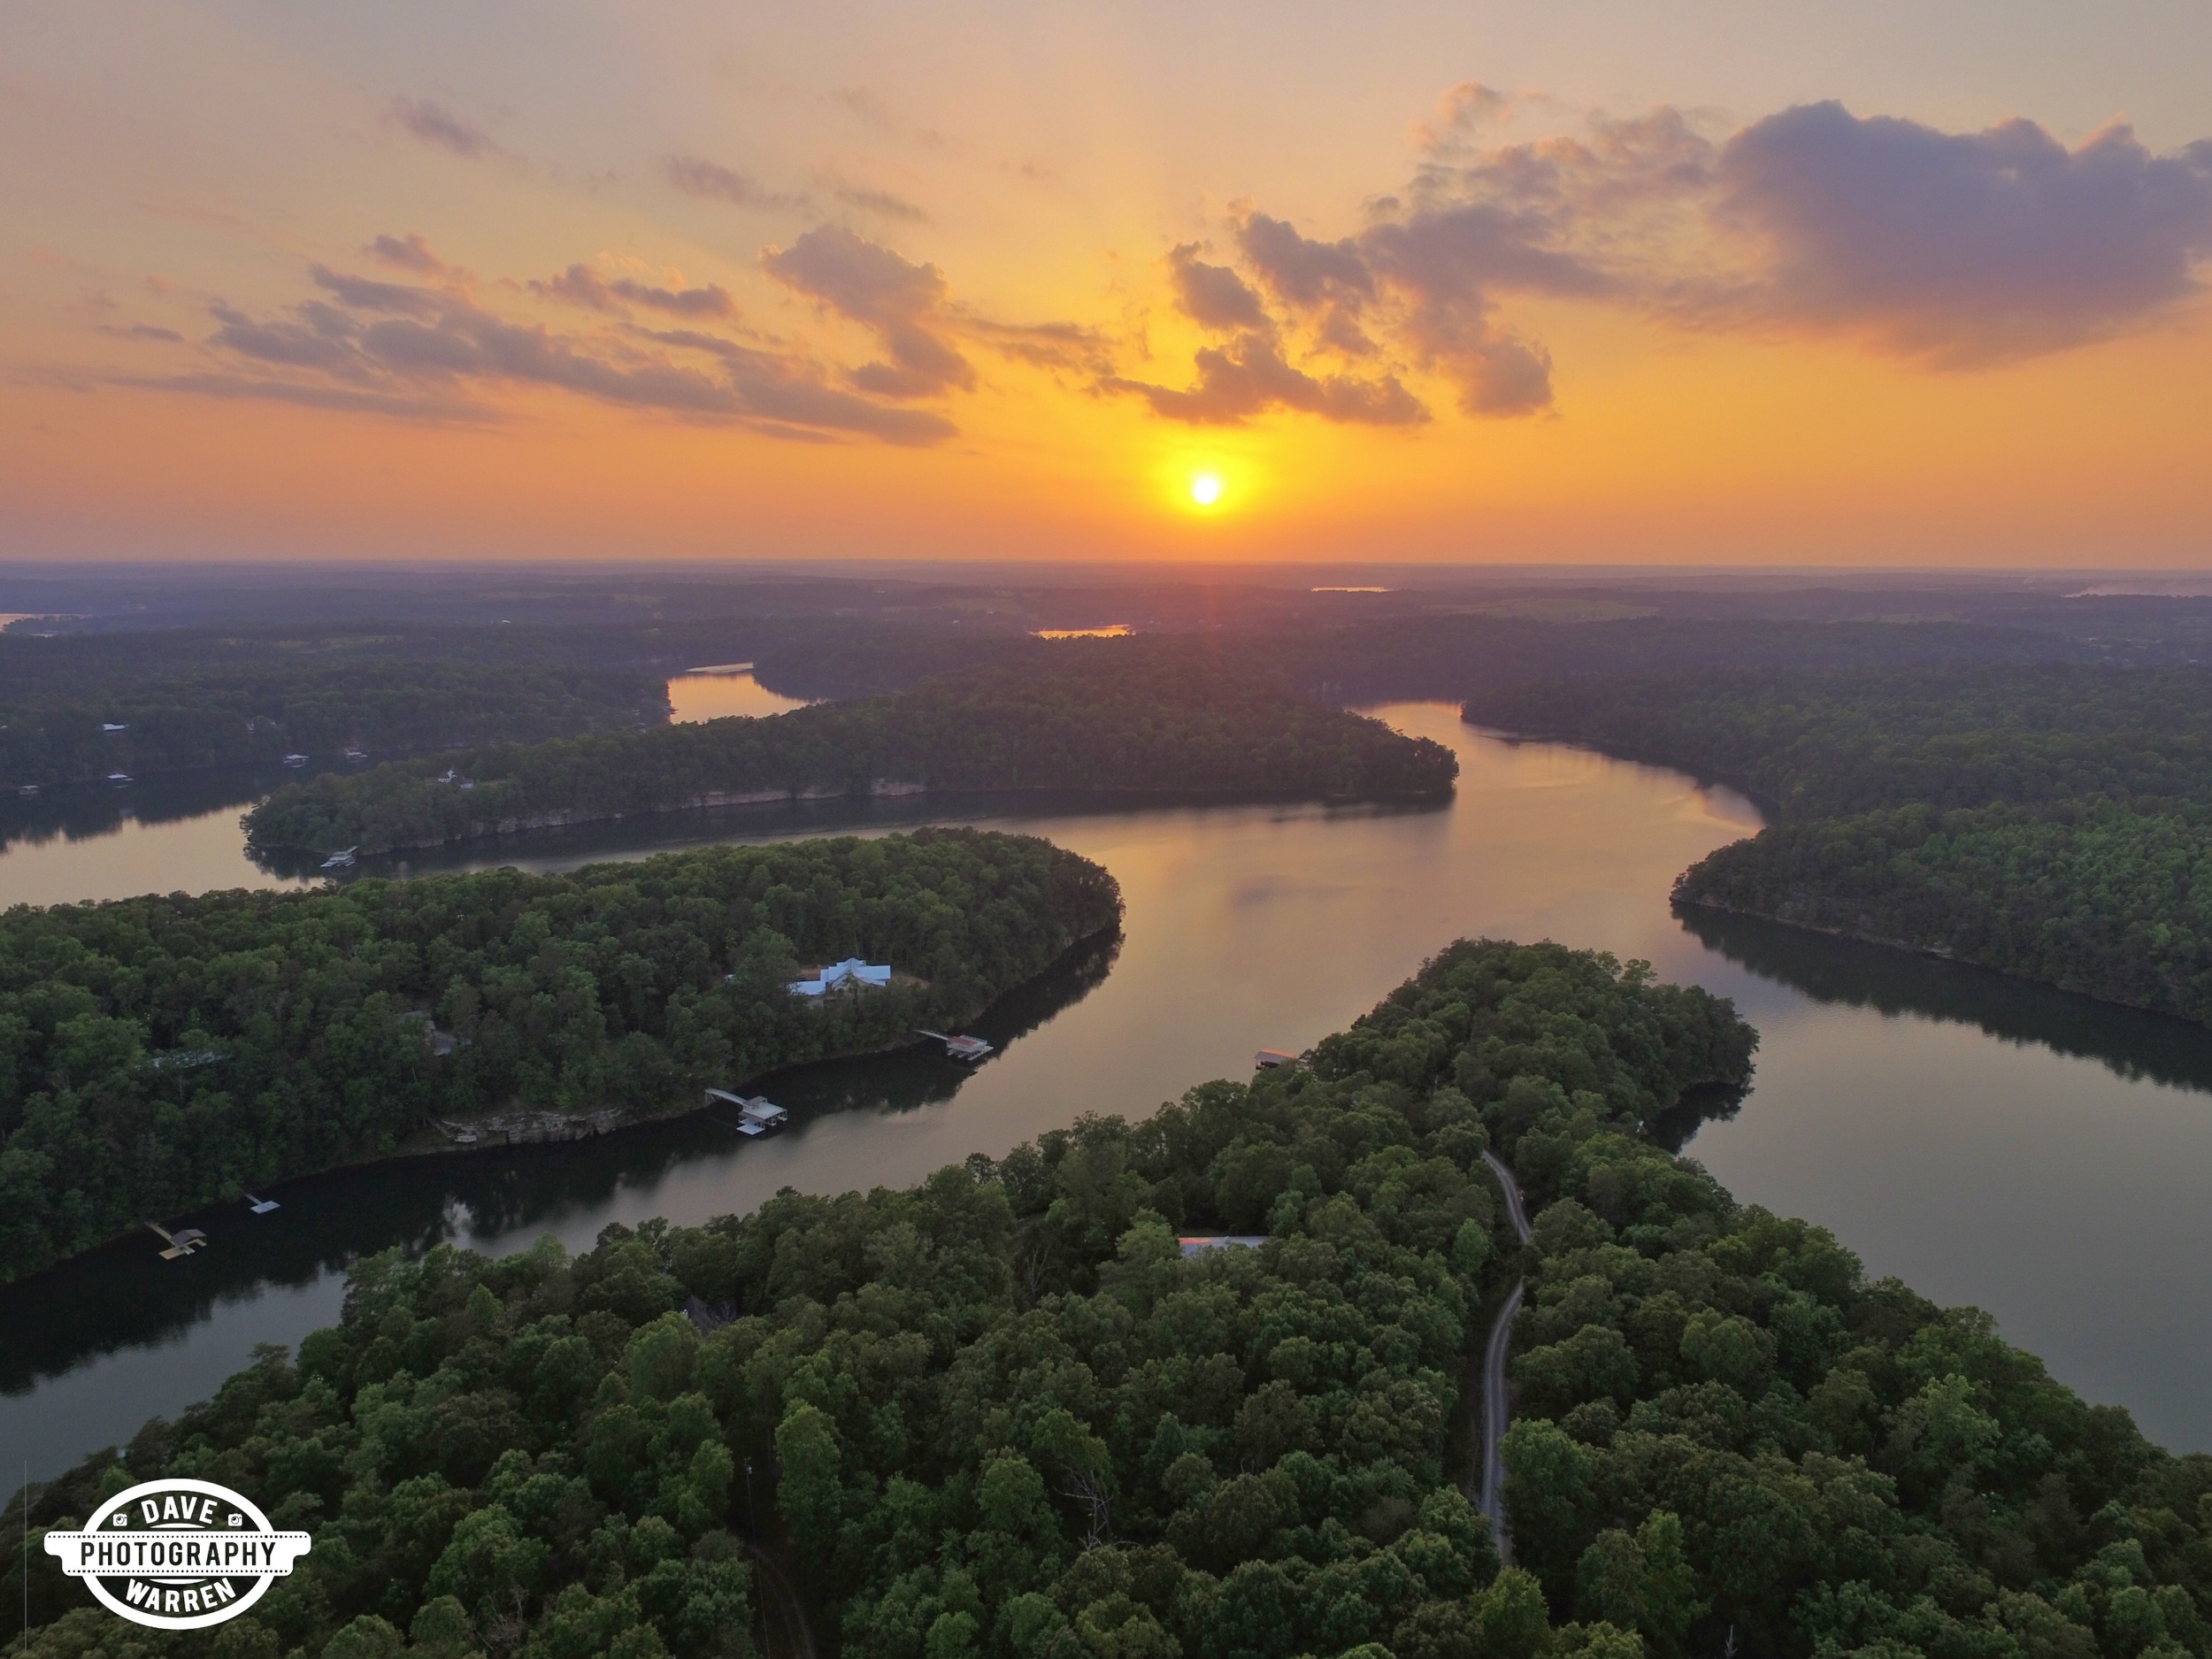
[
  {"x": 2131, "y": 1042},
  {"x": 107, "y": 1299},
  {"x": 83, "y": 812}
]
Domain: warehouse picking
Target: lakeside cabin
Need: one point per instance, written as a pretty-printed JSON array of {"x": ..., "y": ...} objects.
[
  {"x": 1268, "y": 1059},
  {"x": 852, "y": 972}
]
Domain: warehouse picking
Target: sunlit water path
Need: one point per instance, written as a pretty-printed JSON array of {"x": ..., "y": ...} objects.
[{"x": 1989, "y": 1143}]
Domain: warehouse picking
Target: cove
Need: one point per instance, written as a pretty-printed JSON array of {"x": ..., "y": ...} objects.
[{"x": 1990, "y": 1142}]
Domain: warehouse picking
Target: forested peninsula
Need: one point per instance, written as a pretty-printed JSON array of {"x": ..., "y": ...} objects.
[
  {"x": 162, "y": 1053},
  {"x": 1001, "y": 1416},
  {"x": 1119, "y": 715},
  {"x": 2050, "y": 821}
]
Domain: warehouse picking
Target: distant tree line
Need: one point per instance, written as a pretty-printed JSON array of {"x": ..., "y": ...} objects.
[
  {"x": 162, "y": 1053},
  {"x": 202, "y": 696},
  {"x": 218, "y": 715},
  {"x": 2048, "y": 821},
  {"x": 1445, "y": 653},
  {"x": 1001, "y": 1416},
  {"x": 1116, "y": 715}
]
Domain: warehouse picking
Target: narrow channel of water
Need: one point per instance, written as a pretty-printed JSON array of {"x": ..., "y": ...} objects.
[{"x": 1988, "y": 1141}]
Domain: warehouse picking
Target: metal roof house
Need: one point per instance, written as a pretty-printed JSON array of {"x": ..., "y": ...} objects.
[
  {"x": 1221, "y": 1241},
  {"x": 852, "y": 970}
]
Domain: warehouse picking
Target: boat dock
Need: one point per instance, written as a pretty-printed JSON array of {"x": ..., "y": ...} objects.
[
  {"x": 968, "y": 1048},
  {"x": 183, "y": 1241},
  {"x": 757, "y": 1114}
]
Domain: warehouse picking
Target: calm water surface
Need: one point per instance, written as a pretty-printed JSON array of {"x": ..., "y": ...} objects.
[
  {"x": 1987, "y": 1142},
  {"x": 693, "y": 697}
]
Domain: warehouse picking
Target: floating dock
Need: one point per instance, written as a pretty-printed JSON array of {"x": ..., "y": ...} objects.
[
  {"x": 183, "y": 1241},
  {"x": 261, "y": 1206},
  {"x": 968, "y": 1048},
  {"x": 757, "y": 1114}
]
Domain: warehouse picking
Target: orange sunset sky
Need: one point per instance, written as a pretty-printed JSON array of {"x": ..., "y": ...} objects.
[{"x": 1755, "y": 280}]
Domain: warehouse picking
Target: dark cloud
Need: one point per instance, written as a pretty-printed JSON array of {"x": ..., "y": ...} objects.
[
  {"x": 141, "y": 331},
  {"x": 580, "y": 285},
  {"x": 433, "y": 123},
  {"x": 714, "y": 182},
  {"x": 1955, "y": 249},
  {"x": 901, "y": 302},
  {"x": 1213, "y": 296},
  {"x": 1251, "y": 378},
  {"x": 310, "y": 344},
  {"x": 1964, "y": 248},
  {"x": 1300, "y": 272},
  {"x": 407, "y": 253}
]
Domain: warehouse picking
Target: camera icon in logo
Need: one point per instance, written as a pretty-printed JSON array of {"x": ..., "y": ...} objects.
[{"x": 178, "y": 1554}]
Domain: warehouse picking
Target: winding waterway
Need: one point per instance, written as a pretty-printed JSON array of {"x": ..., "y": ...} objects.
[{"x": 1989, "y": 1143}]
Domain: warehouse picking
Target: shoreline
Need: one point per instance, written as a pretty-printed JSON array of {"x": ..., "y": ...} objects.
[
  {"x": 1933, "y": 954},
  {"x": 723, "y": 800},
  {"x": 429, "y": 1141}
]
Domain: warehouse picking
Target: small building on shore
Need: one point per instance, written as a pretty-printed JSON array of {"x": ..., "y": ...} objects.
[
  {"x": 851, "y": 971},
  {"x": 1200, "y": 1245}
]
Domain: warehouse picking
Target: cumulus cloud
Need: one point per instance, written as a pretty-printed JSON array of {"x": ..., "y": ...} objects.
[
  {"x": 711, "y": 181},
  {"x": 1213, "y": 296},
  {"x": 1964, "y": 248},
  {"x": 1953, "y": 250},
  {"x": 902, "y": 303},
  {"x": 1468, "y": 108},
  {"x": 1299, "y": 271},
  {"x": 434, "y": 123},
  {"x": 580, "y": 285}
]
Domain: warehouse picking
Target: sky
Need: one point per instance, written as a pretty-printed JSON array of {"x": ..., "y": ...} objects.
[{"x": 1757, "y": 282}]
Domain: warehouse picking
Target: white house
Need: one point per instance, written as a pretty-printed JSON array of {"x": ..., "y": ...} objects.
[{"x": 852, "y": 970}]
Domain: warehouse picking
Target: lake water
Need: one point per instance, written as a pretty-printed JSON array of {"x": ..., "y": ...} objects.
[
  {"x": 1989, "y": 1143},
  {"x": 694, "y": 698}
]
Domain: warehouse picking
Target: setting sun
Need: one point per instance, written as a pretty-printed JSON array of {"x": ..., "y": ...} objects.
[{"x": 1205, "y": 489}]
